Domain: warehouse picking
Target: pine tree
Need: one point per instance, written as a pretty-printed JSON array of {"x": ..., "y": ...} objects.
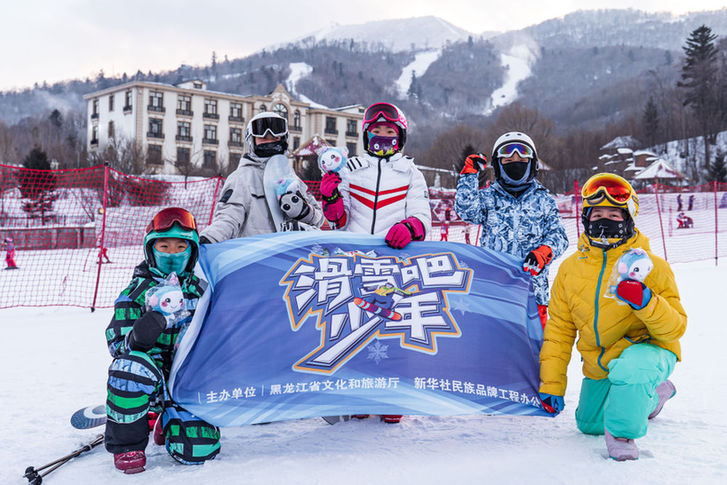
[
  {"x": 699, "y": 82},
  {"x": 651, "y": 121},
  {"x": 37, "y": 186},
  {"x": 718, "y": 169}
]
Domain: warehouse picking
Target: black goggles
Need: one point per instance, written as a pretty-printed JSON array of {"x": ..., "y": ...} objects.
[{"x": 276, "y": 127}]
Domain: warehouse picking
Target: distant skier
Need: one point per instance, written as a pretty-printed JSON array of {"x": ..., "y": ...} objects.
[
  {"x": 142, "y": 342},
  {"x": 9, "y": 248},
  {"x": 679, "y": 203},
  {"x": 467, "y": 235},
  {"x": 627, "y": 319},
  {"x": 684, "y": 221},
  {"x": 518, "y": 214},
  {"x": 691, "y": 202},
  {"x": 444, "y": 231}
]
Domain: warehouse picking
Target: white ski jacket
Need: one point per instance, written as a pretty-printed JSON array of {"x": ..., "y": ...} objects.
[{"x": 379, "y": 192}]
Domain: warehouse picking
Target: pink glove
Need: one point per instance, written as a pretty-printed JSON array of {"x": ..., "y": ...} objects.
[
  {"x": 334, "y": 212},
  {"x": 329, "y": 186},
  {"x": 404, "y": 232}
]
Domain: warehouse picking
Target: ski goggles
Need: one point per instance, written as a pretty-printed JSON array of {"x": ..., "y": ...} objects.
[
  {"x": 166, "y": 218},
  {"x": 607, "y": 186},
  {"x": 273, "y": 125},
  {"x": 508, "y": 150},
  {"x": 385, "y": 110}
]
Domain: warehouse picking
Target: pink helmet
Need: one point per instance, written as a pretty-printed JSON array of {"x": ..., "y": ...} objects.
[{"x": 387, "y": 113}]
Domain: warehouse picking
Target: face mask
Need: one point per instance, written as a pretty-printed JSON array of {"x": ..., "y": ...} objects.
[
  {"x": 177, "y": 262},
  {"x": 382, "y": 146},
  {"x": 515, "y": 173},
  {"x": 609, "y": 233},
  {"x": 266, "y": 150}
]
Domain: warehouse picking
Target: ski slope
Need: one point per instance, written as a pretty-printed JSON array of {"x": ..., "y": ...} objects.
[{"x": 54, "y": 361}]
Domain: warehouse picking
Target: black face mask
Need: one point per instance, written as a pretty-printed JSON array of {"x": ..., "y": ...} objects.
[
  {"x": 516, "y": 170},
  {"x": 266, "y": 150},
  {"x": 608, "y": 233}
]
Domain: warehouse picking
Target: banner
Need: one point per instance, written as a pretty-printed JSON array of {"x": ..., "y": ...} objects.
[{"x": 305, "y": 324}]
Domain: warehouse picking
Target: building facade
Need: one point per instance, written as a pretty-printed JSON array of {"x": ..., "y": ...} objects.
[{"x": 178, "y": 127}]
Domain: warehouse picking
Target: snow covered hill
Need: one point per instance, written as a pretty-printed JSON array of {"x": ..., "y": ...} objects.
[{"x": 54, "y": 361}]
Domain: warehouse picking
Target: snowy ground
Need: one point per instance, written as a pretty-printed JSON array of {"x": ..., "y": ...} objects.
[{"x": 54, "y": 361}]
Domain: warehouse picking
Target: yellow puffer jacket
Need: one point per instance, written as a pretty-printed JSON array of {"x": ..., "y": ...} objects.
[{"x": 605, "y": 325}]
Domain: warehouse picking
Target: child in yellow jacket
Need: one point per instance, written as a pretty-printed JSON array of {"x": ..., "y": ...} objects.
[{"x": 623, "y": 304}]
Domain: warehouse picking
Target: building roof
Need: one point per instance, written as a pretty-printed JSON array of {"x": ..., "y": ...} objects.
[
  {"x": 659, "y": 170},
  {"x": 624, "y": 151},
  {"x": 627, "y": 141},
  {"x": 311, "y": 147}
]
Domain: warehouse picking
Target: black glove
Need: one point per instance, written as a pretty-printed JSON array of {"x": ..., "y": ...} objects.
[
  {"x": 146, "y": 331},
  {"x": 204, "y": 240}
]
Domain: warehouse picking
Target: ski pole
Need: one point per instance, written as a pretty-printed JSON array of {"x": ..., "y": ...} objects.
[{"x": 35, "y": 478}]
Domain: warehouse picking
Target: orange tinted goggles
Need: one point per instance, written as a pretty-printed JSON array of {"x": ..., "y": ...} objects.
[
  {"x": 609, "y": 186},
  {"x": 166, "y": 218}
]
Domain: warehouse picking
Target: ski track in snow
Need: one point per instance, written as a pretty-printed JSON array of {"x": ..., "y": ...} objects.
[
  {"x": 517, "y": 61},
  {"x": 299, "y": 70},
  {"x": 54, "y": 361},
  {"x": 419, "y": 65}
]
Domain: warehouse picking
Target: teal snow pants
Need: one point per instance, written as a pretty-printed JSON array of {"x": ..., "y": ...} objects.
[{"x": 623, "y": 401}]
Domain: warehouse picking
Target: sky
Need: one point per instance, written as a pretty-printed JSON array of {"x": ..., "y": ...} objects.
[{"x": 55, "y": 40}]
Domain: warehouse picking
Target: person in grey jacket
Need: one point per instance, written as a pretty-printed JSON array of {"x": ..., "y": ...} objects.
[{"x": 242, "y": 209}]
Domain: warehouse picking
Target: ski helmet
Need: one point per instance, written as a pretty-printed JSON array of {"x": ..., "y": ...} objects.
[
  {"x": 609, "y": 190},
  {"x": 384, "y": 113},
  {"x": 513, "y": 141},
  {"x": 172, "y": 222},
  {"x": 261, "y": 125}
]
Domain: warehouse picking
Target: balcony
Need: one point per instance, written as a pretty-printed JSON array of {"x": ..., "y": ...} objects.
[
  {"x": 94, "y": 142},
  {"x": 234, "y": 143},
  {"x": 158, "y": 109},
  {"x": 296, "y": 129},
  {"x": 235, "y": 119},
  {"x": 212, "y": 116},
  {"x": 185, "y": 112},
  {"x": 183, "y": 138},
  {"x": 210, "y": 141},
  {"x": 352, "y": 134},
  {"x": 331, "y": 131},
  {"x": 154, "y": 134},
  {"x": 127, "y": 109},
  {"x": 94, "y": 116}
]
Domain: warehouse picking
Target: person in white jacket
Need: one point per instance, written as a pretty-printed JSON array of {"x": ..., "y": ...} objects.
[{"x": 381, "y": 192}]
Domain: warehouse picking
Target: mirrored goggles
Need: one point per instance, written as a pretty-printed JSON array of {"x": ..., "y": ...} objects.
[
  {"x": 607, "y": 186},
  {"x": 507, "y": 150},
  {"x": 378, "y": 110},
  {"x": 275, "y": 126},
  {"x": 166, "y": 218}
]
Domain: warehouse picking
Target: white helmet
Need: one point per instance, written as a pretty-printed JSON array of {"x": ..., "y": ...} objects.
[
  {"x": 515, "y": 137},
  {"x": 261, "y": 125}
]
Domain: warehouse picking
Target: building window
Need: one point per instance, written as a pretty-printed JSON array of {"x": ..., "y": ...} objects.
[
  {"x": 296, "y": 120},
  {"x": 210, "y": 109},
  {"x": 111, "y": 130},
  {"x": 235, "y": 137},
  {"x": 127, "y": 101},
  {"x": 262, "y": 108},
  {"x": 351, "y": 149},
  {"x": 197, "y": 85},
  {"x": 94, "y": 135},
  {"x": 184, "y": 131},
  {"x": 111, "y": 102},
  {"x": 156, "y": 101},
  {"x": 351, "y": 128},
  {"x": 331, "y": 142},
  {"x": 210, "y": 159},
  {"x": 184, "y": 105},
  {"x": 296, "y": 142},
  {"x": 281, "y": 110},
  {"x": 210, "y": 134},
  {"x": 235, "y": 158},
  {"x": 182, "y": 156},
  {"x": 235, "y": 112},
  {"x": 154, "y": 154},
  {"x": 331, "y": 125},
  {"x": 94, "y": 109},
  {"x": 155, "y": 128}
]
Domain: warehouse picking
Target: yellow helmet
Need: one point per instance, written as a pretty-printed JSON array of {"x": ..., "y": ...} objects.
[{"x": 610, "y": 190}]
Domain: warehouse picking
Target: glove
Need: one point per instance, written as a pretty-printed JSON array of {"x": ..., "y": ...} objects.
[
  {"x": 537, "y": 259},
  {"x": 474, "y": 163},
  {"x": 294, "y": 205},
  {"x": 146, "y": 331},
  {"x": 633, "y": 292},
  {"x": 334, "y": 212},
  {"x": 552, "y": 404},
  {"x": 204, "y": 240},
  {"x": 329, "y": 186},
  {"x": 404, "y": 232}
]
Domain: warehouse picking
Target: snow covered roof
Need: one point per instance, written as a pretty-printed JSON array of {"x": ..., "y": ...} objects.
[
  {"x": 621, "y": 142},
  {"x": 605, "y": 156},
  {"x": 311, "y": 147},
  {"x": 625, "y": 151},
  {"x": 644, "y": 152},
  {"x": 659, "y": 170},
  {"x": 633, "y": 168}
]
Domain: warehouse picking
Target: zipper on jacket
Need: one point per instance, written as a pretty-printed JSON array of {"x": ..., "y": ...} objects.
[
  {"x": 376, "y": 196},
  {"x": 595, "y": 313}
]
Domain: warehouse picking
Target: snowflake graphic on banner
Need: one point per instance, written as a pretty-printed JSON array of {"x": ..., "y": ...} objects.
[
  {"x": 377, "y": 352},
  {"x": 357, "y": 298}
]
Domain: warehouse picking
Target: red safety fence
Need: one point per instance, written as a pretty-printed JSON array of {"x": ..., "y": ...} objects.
[{"x": 75, "y": 235}]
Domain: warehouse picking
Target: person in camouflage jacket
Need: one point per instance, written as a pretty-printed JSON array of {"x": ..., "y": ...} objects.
[{"x": 518, "y": 214}]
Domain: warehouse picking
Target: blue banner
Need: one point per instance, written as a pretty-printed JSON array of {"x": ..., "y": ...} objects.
[{"x": 305, "y": 324}]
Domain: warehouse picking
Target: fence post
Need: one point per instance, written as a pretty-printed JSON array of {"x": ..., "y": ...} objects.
[
  {"x": 103, "y": 232},
  {"x": 716, "y": 227},
  {"x": 578, "y": 227},
  {"x": 661, "y": 223},
  {"x": 214, "y": 201}
]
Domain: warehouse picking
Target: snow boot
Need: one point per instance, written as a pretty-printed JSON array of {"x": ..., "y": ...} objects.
[
  {"x": 391, "y": 418},
  {"x": 666, "y": 390},
  {"x": 621, "y": 449},
  {"x": 130, "y": 462}
]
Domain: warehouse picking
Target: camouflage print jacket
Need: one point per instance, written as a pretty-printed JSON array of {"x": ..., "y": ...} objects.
[{"x": 514, "y": 225}]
